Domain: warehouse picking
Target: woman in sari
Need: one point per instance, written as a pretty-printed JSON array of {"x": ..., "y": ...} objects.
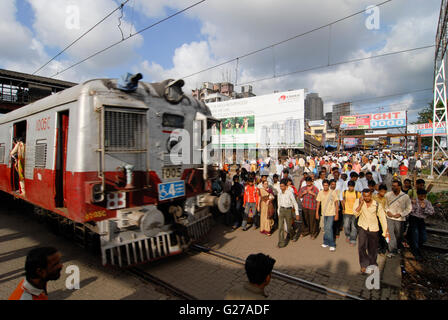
[
  {"x": 19, "y": 149},
  {"x": 266, "y": 221}
]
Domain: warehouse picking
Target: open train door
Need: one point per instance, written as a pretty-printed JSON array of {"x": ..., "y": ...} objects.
[{"x": 61, "y": 160}]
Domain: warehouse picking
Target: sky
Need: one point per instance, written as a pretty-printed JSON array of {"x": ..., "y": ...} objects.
[{"x": 216, "y": 31}]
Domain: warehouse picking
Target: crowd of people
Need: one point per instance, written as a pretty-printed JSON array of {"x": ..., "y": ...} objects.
[{"x": 376, "y": 200}]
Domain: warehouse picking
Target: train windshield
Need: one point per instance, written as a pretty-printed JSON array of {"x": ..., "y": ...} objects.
[{"x": 173, "y": 121}]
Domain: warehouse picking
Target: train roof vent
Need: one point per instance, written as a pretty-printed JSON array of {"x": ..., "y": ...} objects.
[
  {"x": 173, "y": 91},
  {"x": 129, "y": 82}
]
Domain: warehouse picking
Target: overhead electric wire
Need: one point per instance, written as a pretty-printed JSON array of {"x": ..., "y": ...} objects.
[
  {"x": 82, "y": 36},
  {"x": 130, "y": 36},
  {"x": 335, "y": 64},
  {"x": 283, "y": 41}
]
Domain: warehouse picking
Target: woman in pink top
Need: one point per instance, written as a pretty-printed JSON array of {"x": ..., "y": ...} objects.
[{"x": 357, "y": 167}]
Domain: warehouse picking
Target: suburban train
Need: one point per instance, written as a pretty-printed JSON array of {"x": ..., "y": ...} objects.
[{"x": 98, "y": 157}]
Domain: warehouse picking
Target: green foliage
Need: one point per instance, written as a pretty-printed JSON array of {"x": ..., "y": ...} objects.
[
  {"x": 427, "y": 114},
  {"x": 435, "y": 197}
]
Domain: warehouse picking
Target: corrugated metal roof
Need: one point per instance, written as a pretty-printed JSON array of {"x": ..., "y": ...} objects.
[{"x": 19, "y": 76}]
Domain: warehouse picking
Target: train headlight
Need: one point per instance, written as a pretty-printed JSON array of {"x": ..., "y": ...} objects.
[
  {"x": 152, "y": 222},
  {"x": 94, "y": 192}
]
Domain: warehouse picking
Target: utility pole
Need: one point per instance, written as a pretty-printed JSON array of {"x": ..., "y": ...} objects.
[{"x": 440, "y": 114}]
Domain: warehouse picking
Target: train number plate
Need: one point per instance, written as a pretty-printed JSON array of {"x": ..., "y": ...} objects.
[
  {"x": 171, "y": 190},
  {"x": 171, "y": 172}
]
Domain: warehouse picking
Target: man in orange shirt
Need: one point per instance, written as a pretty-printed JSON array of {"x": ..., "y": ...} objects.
[
  {"x": 251, "y": 202},
  {"x": 42, "y": 265}
]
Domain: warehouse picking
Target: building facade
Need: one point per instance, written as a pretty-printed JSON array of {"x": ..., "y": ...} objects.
[
  {"x": 223, "y": 91},
  {"x": 314, "y": 107},
  {"x": 339, "y": 110}
]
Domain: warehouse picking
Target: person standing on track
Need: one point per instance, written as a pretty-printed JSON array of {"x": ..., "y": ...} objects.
[
  {"x": 398, "y": 207},
  {"x": 330, "y": 211},
  {"x": 266, "y": 209},
  {"x": 308, "y": 194},
  {"x": 41, "y": 265},
  {"x": 251, "y": 202},
  {"x": 421, "y": 209},
  {"x": 286, "y": 203},
  {"x": 369, "y": 212},
  {"x": 349, "y": 198}
]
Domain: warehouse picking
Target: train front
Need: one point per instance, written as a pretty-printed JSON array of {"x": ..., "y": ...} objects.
[{"x": 164, "y": 201}]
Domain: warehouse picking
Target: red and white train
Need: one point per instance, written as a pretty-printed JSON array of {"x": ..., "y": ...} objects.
[{"x": 98, "y": 155}]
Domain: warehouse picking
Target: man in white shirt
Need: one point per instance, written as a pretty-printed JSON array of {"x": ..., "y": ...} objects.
[
  {"x": 279, "y": 168},
  {"x": 418, "y": 166},
  {"x": 301, "y": 163},
  {"x": 363, "y": 181},
  {"x": 286, "y": 202},
  {"x": 358, "y": 185},
  {"x": 394, "y": 165},
  {"x": 399, "y": 206},
  {"x": 376, "y": 175},
  {"x": 367, "y": 167},
  {"x": 406, "y": 162},
  {"x": 318, "y": 182}
]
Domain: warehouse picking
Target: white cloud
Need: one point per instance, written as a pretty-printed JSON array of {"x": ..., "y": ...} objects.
[
  {"x": 18, "y": 45},
  {"x": 242, "y": 26},
  {"x": 51, "y": 28}
]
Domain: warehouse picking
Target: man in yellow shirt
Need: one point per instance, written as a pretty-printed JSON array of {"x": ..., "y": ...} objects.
[
  {"x": 369, "y": 212},
  {"x": 348, "y": 202},
  {"x": 380, "y": 197}
]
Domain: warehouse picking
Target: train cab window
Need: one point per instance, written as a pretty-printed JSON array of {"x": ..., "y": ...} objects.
[
  {"x": 173, "y": 121},
  {"x": 124, "y": 131}
]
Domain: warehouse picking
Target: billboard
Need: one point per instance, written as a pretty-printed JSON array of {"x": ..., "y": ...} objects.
[
  {"x": 374, "y": 121},
  {"x": 316, "y": 123},
  {"x": 384, "y": 132},
  {"x": 270, "y": 121},
  {"x": 425, "y": 129},
  {"x": 351, "y": 142}
]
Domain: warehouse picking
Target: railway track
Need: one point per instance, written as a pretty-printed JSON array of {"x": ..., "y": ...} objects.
[
  {"x": 279, "y": 275},
  {"x": 155, "y": 281},
  {"x": 437, "y": 239}
]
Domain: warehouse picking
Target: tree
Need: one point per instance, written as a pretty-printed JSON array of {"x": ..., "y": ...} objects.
[{"x": 427, "y": 114}]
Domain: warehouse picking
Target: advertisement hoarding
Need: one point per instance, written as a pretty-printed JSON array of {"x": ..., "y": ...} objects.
[
  {"x": 374, "y": 121},
  {"x": 351, "y": 142},
  {"x": 425, "y": 129},
  {"x": 270, "y": 121}
]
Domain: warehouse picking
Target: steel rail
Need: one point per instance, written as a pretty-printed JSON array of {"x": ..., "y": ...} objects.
[
  {"x": 280, "y": 275},
  {"x": 143, "y": 275}
]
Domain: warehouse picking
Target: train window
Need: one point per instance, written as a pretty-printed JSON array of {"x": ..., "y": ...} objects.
[
  {"x": 40, "y": 155},
  {"x": 2, "y": 153},
  {"x": 173, "y": 121},
  {"x": 124, "y": 131}
]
